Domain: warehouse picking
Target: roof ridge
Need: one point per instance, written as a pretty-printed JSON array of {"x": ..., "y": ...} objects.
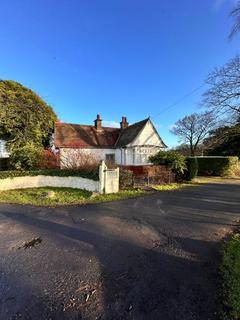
[
  {"x": 84, "y": 125},
  {"x": 129, "y": 128},
  {"x": 146, "y": 119}
]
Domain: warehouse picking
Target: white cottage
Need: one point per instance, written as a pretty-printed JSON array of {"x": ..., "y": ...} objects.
[{"x": 127, "y": 145}]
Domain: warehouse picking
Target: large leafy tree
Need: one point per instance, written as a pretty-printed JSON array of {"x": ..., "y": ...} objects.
[
  {"x": 24, "y": 117},
  {"x": 224, "y": 141}
]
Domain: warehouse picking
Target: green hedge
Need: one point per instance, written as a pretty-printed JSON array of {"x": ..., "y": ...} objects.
[
  {"x": 94, "y": 175},
  {"x": 230, "y": 271},
  {"x": 216, "y": 166},
  {"x": 192, "y": 168}
]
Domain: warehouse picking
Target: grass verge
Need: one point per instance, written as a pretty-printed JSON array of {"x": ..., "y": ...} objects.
[
  {"x": 230, "y": 272},
  {"x": 49, "y": 196},
  {"x": 172, "y": 186}
]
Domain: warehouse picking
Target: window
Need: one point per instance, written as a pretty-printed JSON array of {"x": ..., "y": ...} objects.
[
  {"x": 110, "y": 157},
  {"x": 3, "y": 150}
]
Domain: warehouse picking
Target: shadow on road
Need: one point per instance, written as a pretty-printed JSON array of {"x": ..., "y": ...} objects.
[{"x": 174, "y": 279}]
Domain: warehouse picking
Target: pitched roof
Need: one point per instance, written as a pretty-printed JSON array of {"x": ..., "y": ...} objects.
[
  {"x": 69, "y": 135},
  {"x": 83, "y": 136},
  {"x": 130, "y": 133}
]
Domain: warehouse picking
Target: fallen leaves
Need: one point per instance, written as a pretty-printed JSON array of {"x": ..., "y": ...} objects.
[{"x": 31, "y": 243}]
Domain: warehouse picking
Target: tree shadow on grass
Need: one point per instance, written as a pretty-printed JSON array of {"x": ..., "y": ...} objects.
[{"x": 168, "y": 281}]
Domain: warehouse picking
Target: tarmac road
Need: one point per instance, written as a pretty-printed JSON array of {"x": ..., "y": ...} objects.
[{"x": 154, "y": 257}]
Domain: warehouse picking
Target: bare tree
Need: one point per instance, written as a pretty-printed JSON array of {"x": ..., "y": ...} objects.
[
  {"x": 235, "y": 14},
  {"x": 193, "y": 129},
  {"x": 223, "y": 97},
  {"x": 73, "y": 159}
]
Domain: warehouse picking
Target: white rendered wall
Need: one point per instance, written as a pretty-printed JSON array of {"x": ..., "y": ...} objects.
[
  {"x": 97, "y": 153},
  {"x": 48, "y": 181},
  {"x": 142, "y": 154}
]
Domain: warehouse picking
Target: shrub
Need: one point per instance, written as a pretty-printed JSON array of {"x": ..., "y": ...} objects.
[
  {"x": 236, "y": 170},
  {"x": 26, "y": 157},
  {"x": 49, "y": 160},
  {"x": 172, "y": 159},
  {"x": 75, "y": 160},
  {"x": 4, "y": 163},
  {"x": 192, "y": 168},
  {"x": 230, "y": 270},
  {"x": 125, "y": 178},
  {"x": 216, "y": 166}
]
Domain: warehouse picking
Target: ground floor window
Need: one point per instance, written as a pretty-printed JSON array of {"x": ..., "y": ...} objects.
[
  {"x": 110, "y": 157},
  {"x": 142, "y": 154}
]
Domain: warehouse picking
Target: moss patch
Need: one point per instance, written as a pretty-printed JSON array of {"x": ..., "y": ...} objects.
[{"x": 172, "y": 186}]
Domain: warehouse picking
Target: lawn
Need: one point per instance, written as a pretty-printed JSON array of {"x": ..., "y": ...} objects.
[{"x": 49, "y": 196}]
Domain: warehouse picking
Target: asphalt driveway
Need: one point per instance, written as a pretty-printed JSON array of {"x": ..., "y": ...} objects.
[{"x": 153, "y": 257}]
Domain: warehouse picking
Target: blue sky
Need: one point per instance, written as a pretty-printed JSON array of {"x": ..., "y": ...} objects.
[{"x": 115, "y": 57}]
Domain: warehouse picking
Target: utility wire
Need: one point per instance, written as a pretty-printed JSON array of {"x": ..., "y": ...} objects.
[{"x": 180, "y": 100}]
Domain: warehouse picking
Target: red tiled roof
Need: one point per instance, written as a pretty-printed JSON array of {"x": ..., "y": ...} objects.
[{"x": 83, "y": 136}]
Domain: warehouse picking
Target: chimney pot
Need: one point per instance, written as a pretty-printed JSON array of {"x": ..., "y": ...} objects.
[
  {"x": 98, "y": 122},
  {"x": 124, "y": 123}
]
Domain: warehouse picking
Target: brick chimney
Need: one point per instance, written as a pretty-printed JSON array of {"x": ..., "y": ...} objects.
[
  {"x": 124, "y": 123},
  {"x": 98, "y": 122}
]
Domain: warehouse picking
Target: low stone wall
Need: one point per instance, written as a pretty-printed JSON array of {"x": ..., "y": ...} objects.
[{"x": 48, "y": 181}]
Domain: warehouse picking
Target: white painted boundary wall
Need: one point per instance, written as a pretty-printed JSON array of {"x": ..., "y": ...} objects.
[
  {"x": 48, "y": 181},
  {"x": 108, "y": 181}
]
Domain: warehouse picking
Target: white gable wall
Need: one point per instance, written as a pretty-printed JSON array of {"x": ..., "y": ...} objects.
[
  {"x": 147, "y": 137},
  {"x": 147, "y": 143}
]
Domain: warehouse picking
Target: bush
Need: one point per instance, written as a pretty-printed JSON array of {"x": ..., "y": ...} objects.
[
  {"x": 49, "y": 160},
  {"x": 230, "y": 270},
  {"x": 125, "y": 178},
  {"x": 75, "y": 159},
  {"x": 4, "y": 163},
  {"x": 216, "y": 166},
  {"x": 192, "y": 168},
  {"x": 94, "y": 175},
  {"x": 26, "y": 157},
  {"x": 172, "y": 159}
]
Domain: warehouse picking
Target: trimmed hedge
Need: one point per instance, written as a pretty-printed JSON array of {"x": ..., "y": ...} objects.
[
  {"x": 94, "y": 175},
  {"x": 192, "y": 168},
  {"x": 216, "y": 166}
]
